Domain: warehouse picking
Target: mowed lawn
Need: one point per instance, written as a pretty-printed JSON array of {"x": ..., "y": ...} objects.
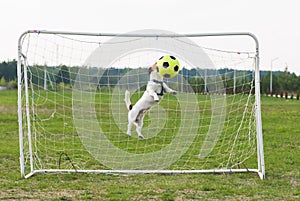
[{"x": 281, "y": 130}]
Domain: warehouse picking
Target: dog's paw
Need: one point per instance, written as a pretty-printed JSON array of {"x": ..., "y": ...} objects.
[
  {"x": 156, "y": 99},
  {"x": 129, "y": 134},
  {"x": 174, "y": 92},
  {"x": 141, "y": 136}
]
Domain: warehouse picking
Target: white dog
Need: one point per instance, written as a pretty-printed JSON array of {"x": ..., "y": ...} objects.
[{"x": 153, "y": 94}]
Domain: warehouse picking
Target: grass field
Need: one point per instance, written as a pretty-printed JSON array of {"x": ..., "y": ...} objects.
[{"x": 282, "y": 150}]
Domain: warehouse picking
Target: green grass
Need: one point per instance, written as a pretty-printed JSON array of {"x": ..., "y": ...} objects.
[{"x": 282, "y": 150}]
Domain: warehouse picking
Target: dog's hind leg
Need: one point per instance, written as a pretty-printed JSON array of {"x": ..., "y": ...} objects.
[
  {"x": 139, "y": 126},
  {"x": 129, "y": 127}
]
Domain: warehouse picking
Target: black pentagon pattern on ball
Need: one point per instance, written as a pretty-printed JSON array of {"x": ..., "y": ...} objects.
[
  {"x": 172, "y": 57},
  {"x": 166, "y": 64},
  {"x": 176, "y": 68}
]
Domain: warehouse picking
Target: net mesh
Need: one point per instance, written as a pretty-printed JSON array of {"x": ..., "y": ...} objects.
[{"x": 78, "y": 118}]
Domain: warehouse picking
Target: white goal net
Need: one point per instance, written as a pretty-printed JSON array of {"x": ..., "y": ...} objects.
[{"x": 73, "y": 118}]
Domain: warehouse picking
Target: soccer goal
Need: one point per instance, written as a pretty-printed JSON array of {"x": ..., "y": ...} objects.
[{"x": 72, "y": 115}]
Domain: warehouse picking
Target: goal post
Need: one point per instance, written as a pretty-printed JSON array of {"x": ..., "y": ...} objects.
[{"x": 72, "y": 115}]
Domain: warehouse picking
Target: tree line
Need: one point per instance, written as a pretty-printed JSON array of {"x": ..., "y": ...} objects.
[
  {"x": 8, "y": 74},
  {"x": 234, "y": 81},
  {"x": 282, "y": 82}
]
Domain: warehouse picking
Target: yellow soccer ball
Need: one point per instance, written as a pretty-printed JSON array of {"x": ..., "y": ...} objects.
[{"x": 168, "y": 66}]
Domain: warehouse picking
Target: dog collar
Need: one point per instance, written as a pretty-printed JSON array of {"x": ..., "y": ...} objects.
[
  {"x": 162, "y": 87},
  {"x": 160, "y": 82}
]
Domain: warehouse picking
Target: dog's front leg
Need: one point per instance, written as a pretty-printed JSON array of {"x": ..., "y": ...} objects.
[
  {"x": 168, "y": 89},
  {"x": 153, "y": 94}
]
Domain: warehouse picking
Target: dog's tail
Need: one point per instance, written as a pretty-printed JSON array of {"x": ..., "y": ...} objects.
[{"x": 127, "y": 100}]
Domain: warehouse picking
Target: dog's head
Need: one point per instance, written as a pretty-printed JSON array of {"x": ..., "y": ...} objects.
[
  {"x": 153, "y": 72},
  {"x": 152, "y": 68}
]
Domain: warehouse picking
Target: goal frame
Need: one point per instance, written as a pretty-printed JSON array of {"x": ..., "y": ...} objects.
[{"x": 24, "y": 83}]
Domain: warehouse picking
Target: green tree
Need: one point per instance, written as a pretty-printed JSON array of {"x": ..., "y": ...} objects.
[
  {"x": 8, "y": 70},
  {"x": 12, "y": 84},
  {"x": 2, "y": 81},
  {"x": 63, "y": 75},
  {"x": 197, "y": 84}
]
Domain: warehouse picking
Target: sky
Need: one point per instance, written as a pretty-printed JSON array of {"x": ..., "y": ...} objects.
[{"x": 274, "y": 22}]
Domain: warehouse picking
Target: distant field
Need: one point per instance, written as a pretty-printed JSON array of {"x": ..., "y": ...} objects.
[{"x": 282, "y": 150}]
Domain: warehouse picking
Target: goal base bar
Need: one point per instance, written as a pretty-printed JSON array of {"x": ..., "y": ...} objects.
[{"x": 261, "y": 175}]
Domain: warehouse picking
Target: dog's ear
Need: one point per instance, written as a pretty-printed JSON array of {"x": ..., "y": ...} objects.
[{"x": 154, "y": 66}]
